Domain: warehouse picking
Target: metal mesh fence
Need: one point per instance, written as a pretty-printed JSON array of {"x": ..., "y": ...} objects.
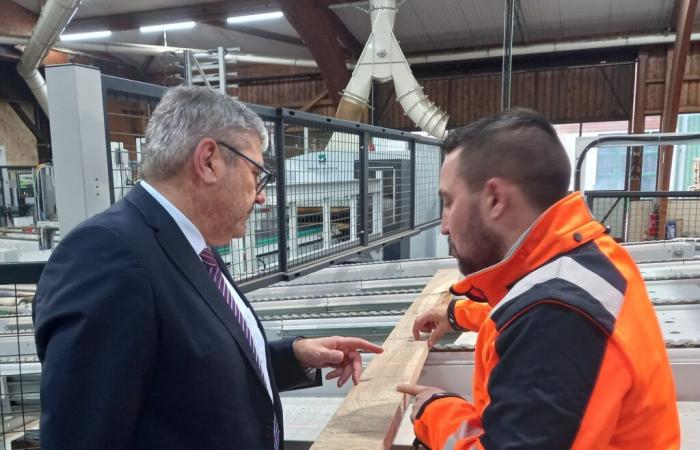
[
  {"x": 327, "y": 202},
  {"x": 127, "y": 117},
  {"x": 322, "y": 191},
  {"x": 19, "y": 369},
  {"x": 428, "y": 161},
  {"x": 390, "y": 177},
  {"x": 647, "y": 216},
  {"x": 257, "y": 253}
]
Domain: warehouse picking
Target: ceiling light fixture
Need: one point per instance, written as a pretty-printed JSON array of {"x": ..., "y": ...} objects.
[
  {"x": 167, "y": 27},
  {"x": 255, "y": 17},
  {"x": 87, "y": 35}
]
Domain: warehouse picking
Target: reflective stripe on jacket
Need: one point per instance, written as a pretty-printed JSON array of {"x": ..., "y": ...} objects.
[{"x": 570, "y": 355}]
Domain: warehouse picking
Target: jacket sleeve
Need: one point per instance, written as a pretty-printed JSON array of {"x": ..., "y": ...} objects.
[
  {"x": 289, "y": 375},
  {"x": 548, "y": 363},
  {"x": 469, "y": 315},
  {"x": 96, "y": 337}
]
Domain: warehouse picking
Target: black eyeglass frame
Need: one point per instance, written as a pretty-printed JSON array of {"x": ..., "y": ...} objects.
[{"x": 266, "y": 176}]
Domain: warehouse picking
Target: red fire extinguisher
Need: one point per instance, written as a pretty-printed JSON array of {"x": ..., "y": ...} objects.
[{"x": 653, "y": 226}]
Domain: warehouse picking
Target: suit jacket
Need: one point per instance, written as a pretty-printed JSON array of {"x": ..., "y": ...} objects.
[{"x": 139, "y": 349}]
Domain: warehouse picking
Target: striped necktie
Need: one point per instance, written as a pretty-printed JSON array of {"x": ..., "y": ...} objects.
[{"x": 218, "y": 277}]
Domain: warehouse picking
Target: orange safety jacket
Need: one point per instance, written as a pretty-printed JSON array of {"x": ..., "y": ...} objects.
[{"x": 569, "y": 352}]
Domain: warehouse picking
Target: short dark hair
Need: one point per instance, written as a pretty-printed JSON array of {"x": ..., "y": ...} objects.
[{"x": 518, "y": 145}]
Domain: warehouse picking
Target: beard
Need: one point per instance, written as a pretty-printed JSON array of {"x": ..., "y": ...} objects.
[{"x": 482, "y": 248}]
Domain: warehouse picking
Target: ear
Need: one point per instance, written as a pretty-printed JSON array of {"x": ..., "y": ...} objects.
[
  {"x": 206, "y": 161},
  {"x": 495, "y": 198}
]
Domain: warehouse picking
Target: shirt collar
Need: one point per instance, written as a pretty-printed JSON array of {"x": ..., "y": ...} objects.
[{"x": 193, "y": 235}]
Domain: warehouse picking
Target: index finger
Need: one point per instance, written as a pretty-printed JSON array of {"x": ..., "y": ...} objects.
[
  {"x": 356, "y": 343},
  {"x": 410, "y": 389}
]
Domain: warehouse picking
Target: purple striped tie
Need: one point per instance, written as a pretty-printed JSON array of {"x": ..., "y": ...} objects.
[{"x": 215, "y": 271}]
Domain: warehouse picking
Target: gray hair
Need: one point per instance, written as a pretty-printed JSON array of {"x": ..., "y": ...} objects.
[{"x": 185, "y": 116}]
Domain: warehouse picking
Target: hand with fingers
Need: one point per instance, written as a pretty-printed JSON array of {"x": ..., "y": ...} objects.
[
  {"x": 340, "y": 353},
  {"x": 434, "y": 322},
  {"x": 421, "y": 393}
]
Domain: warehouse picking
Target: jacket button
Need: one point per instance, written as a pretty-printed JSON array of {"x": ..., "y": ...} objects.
[
  {"x": 267, "y": 432},
  {"x": 578, "y": 237}
]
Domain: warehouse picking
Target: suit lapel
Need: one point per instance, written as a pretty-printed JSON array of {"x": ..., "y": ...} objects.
[{"x": 181, "y": 253}]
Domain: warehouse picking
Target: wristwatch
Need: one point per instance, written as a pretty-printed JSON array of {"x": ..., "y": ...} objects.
[{"x": 451, "y": 316}]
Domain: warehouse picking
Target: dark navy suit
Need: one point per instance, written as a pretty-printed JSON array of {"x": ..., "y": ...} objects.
[{"x": 139, "y": 349}]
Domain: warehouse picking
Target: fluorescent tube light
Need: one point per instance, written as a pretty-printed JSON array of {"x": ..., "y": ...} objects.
[
  {"x": 255, "y": 17},
  {"x": 167, "y": 27},
  {"x": 88, "y": 35}
]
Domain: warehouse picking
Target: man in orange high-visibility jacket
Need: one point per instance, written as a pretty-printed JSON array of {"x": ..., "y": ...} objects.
[{"x": 569, "y": 352}]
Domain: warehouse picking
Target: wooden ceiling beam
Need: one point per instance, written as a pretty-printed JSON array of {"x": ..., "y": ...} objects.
[
  {"x": 264, "y": 34},
  {"x": 672, "y": 101},
  {"x": 312, "y": 22},
  {"x": 674, "y": 84},
  {"x": 199, "y": 13},
  {"x": 212, "y": 14}
]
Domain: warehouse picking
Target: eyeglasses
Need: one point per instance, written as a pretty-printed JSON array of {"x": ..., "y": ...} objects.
[{"x": 264, "y": 177}]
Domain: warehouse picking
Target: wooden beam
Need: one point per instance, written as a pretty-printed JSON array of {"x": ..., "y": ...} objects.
[
  {"x": 638, "y": 120},
  {"x": 313, "y": 24},
  {"x": 674, "y": 83},
  {"x": 371, "y": 413},
  {"x": 199, "y": 13},
  {"x": 265, "y": 34},
  {"x": 672, "y": 101}
]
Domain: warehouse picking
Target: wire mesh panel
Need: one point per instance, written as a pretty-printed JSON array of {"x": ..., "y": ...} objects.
[
  {"x": 331, "y": 195},
  {"x": 322, "y": 191},
  {"x": 428, "y": 161},
  {"x": 389, "y": 192},
  {"x": 647, "y": 216},
  {"x": 127, "y": 117},
  {"x": 19, "y": 369},
  {"x": 257, "y": 253}
]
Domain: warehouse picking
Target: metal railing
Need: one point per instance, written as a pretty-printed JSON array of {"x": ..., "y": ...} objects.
[
  {"x": 19, "y": 365},
  {"x": 342, "y": 187},
  {"x": 634, "y": 216}
]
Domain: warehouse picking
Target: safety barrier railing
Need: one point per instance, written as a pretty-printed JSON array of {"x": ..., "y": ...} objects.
[
  {"x": 342, "y": 187},
  {"x": 635, "y": 217}
]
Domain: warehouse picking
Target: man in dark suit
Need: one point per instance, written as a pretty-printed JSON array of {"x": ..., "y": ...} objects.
[{"x": 146, "y": 342}]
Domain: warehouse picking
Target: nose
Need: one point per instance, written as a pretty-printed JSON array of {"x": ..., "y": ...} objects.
[
  {"x": 260, "y": 197},
  {"x": 444, "y": 227}
]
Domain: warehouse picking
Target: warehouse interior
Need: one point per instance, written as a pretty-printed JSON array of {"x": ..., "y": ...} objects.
[{"x": 356, "y": 97}]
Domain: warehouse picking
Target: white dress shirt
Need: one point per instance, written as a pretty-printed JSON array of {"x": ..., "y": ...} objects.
[{"x": 196, "y": 240}]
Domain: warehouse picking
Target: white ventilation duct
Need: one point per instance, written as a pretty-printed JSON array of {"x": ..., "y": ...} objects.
[
  {"x": 53, "y": 19},
  {"x": 382, "y": 59}
]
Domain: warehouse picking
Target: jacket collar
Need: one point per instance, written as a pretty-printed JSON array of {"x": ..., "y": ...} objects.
[{"x": 563, "y": 227}]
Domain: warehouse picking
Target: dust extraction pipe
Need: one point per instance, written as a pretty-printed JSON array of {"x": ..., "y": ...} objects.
[
  {"x": 382, "y": 59},
  {"x": 53, "y": 19}
]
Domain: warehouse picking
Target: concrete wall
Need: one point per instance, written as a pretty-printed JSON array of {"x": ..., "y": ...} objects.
[{"x": 19, "y": 142}]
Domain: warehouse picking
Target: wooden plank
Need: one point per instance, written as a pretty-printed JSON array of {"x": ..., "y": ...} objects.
[
  {"x": 370, "y": 415},
  {"x": 640, "y": 105},
  {"x": 674, "y": 85},
  {"x": 313, "y": 25}
]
